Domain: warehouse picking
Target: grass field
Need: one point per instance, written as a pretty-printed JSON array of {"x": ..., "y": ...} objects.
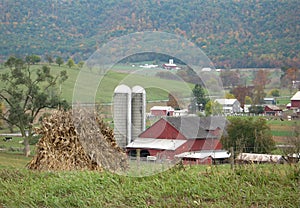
[
  {"x": 191, "y": 186},
  {"x": 282, "y": 130},
  {"x": 156, "y": 88},
  {"x": 15, "y": 146}
]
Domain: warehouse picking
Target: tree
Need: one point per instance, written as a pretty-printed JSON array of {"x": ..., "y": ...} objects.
[
  {"x": 59, "y": 61},
  {"x": 230, "y": 78},
  {"x": 200, "y": 98},
  {"x": 32, "y": 59},
  {"x": 80, "y": 64},
  {"x": 260, "y": 81},
  {"x": 213, "y": 108},
  {"x": 275, "y": 93},
  {"x": 248, "y": 135},
  {"x": 293, "y": 141},
  {"x": 290, "y": 77},
  {"x": 248, "y": 100},
  {"x": 26, "y": 92},
  {"x": 240, "y": 93},
  {"x": 174, "y": 101},
  {"x": 256, "y": 109},
  {"x": 229, "y": 96},
  {"x": 49, "y": 58},
  {"x": 2, "y": 110},
  {"x": 70, "y": 63}
]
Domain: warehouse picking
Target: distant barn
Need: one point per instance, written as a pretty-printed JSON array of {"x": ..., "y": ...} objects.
[
  {"x": 162, "y": 111},
  {"x": 171, "y": 136}
]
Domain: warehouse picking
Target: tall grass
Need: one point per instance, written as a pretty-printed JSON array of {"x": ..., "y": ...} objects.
[{"x": 190, "y": 186}]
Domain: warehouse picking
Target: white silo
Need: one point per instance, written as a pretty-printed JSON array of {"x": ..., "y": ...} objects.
[
  {"x": 138, "y": 111},
  {"x": 122, "y": 115}
]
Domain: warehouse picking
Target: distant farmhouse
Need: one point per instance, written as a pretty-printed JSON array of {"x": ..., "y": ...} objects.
[
  {"x": 170, "y": 65},
  {"x": 181, "y": 137},
  {"x": 161, "y": 111},
  {"x": 230, "y": 106},
  {"x": 269, "y": 101}
]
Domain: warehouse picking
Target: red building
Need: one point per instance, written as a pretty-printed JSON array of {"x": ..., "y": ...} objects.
[
  {"x": 172, "y": 136},
  {"x": 272, "y": 110},
  {"x": 162, "y": 111},
  {"x": 295, "y": 101}
]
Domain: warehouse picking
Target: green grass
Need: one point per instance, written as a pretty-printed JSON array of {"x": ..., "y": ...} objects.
[
  {"x": 283, "y": 133},
  {"x": 195, "y": 186},
  {"x": 15, "y": 146},
  {"x": 13, "y": 160},
  {"x": 284, "y": 123},
  {"x": 156, "y": 88}
]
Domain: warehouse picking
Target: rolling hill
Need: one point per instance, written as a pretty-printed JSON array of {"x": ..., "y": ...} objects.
[{"x": 234, "y": 33}]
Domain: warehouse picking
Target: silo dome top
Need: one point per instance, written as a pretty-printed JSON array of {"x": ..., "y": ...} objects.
[
  {"x": 138, "y": 89},
  {"x": 122, "y": 89}
]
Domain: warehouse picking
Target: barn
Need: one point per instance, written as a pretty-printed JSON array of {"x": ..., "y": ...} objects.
[
  {"x": 171, "y": 136},
  {"x": 295, "y": 101},
  {"x": 162, "y": 111},
  {"x": 272, "y": 110}
]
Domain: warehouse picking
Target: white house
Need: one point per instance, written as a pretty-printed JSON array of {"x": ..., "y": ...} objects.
[
  {"x": 183, "y": 112},
  {"x": 230, "y": 106}
]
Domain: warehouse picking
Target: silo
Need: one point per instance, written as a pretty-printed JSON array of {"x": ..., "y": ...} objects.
[
  {"x": 138, "y": 111},
  {"x": 122, "y": 115}
]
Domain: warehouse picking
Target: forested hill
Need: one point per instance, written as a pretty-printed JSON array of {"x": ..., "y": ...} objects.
[{"x": 233, "y": 33}]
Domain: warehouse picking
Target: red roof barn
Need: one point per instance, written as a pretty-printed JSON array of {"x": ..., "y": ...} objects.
[
  {"x": 272, "y": 110},
  {"x": 295, "y": 100},
  {"x": 162, "y": 111},
  {"x": 171, "y": 136}
]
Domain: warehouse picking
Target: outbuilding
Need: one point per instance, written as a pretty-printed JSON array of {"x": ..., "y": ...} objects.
[
  {"x": 172, "y": 136},
  {"x": 204, "y": 157},
  {"x": 295, "y": 101},
  {"x": 162, "y": 111},
  {"x": 272, "y": 110}
]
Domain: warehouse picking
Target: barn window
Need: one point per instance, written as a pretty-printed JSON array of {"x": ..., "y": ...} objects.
[
  {"x": 145, "y": 153},
  {"x": 132, "y": 153}
]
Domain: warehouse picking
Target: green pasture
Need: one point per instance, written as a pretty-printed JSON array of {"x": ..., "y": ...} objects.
[
  {"x": 279, "y": 122},
  {"x": 188, "y": 186},
  {"x": 13, "y": 160},
  {"x": 92, "y": 84},
  {"x": 15, "y": 146},
  {"x": 282, "y": 133}
]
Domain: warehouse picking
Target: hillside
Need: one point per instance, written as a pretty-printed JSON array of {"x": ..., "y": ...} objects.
[
  {"x": 156, "y": 88},
  {"x": 263, "y": 33}
]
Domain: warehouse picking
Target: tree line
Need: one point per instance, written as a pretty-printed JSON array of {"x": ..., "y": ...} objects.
[{"x": 232, "y": 33}]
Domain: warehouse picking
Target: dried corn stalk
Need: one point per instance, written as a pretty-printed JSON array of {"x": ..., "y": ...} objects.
[{"x": 77, "y": 140}]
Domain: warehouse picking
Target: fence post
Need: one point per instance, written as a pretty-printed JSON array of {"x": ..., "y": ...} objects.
[
  {"x": 232, "y": 158},
  {"x": 138, "y": 158}
]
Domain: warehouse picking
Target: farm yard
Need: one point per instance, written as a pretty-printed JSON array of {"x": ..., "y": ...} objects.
[
  {"x": 246, "y": 185},
  {"x": 188, "y": 186},
  {"x": 252, "y": 185},
  {"x": 150, "y": 104}
]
